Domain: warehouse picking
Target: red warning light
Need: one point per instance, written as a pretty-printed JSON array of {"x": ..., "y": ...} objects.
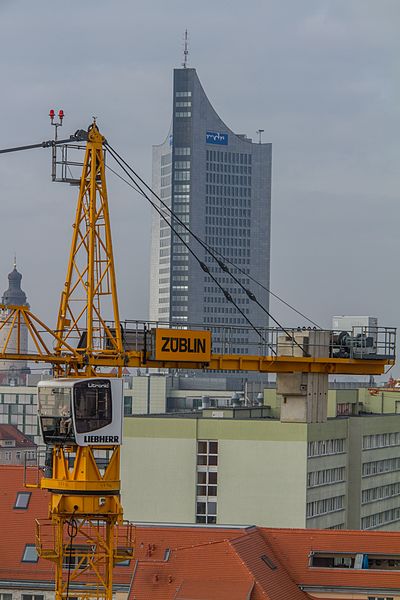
[
  {"x": 52, "y": 114},
  {"x": 61, "y": 114}
]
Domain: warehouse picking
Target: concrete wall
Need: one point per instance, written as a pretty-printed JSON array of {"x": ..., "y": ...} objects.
[
  {"x": 261, "y": 470},
  {"x": 158, "y": 470}
]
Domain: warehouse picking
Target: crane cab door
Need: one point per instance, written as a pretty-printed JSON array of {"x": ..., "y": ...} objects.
[
  {"x": 86, "y": 412},
  {"x": 97, "y": 411}
]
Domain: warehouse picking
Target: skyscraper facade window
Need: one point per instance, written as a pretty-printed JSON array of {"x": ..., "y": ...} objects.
[{"x": 219, "y": 184}]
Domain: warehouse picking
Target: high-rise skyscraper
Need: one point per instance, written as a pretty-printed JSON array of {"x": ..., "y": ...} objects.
[{"x": 219, "y": 184}]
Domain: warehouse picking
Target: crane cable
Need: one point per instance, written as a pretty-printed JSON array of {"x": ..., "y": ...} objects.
[
  {"x": 203, "y": 266},
  {"x": 72, "y": 530},
  {"x": 207, "y": 248},
  {"x": 234, "y": 265}
]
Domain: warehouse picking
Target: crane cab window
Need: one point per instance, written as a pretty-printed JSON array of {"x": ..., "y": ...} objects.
[
  {"x": 92, "y": 405},
  {"x": 55, "y": 413}
]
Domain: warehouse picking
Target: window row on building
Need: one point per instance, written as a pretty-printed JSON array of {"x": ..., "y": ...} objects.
[
  {"x": 220, "y": 178},
  {"x": 228, "y": 168},
  {"x": 182, "y": 176},
  {"x": 230, "y": 202},
  {"x": 227, "y": 211},
  {"x": 377, "y": 467},
  {"x": 380, "y": 492},
  {"x": 228, "y": 157},
  {"x": 227, "y": 190},
  {"x": 166, "y": 159},
  {"x": 380, "y": 440},
  {"x": 326, "y": 447},
  {"x": 324, "y": 506},
  {"x": 222, "y": 299},
  {"x": 224, "y": 310},
  {"x": 382, "y": 518},
  {"x": 326, "y": 477},
  {"x": 182, "y": 151},
  {"x": 17, "y": 399},
  {"x": 231, "y": 242},
  {"x": 166, "y": 170}
]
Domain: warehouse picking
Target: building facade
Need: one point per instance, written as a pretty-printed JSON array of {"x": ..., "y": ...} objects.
[
  {"x": 18, "y": 406},
  {"x": 219, "y": 184},
  {"x": 15, "y": 447},
  {"x": 241, "y": 466}
]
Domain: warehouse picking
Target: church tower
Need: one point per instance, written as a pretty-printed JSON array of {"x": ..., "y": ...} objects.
[{"x": 13, "y": 372}]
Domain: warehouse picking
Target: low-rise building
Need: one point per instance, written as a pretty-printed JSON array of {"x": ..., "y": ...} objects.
[
  {"x": 15, "y": 447},
  {"x": 240, "y": 466},
  {"x": 18, "y": 406}
]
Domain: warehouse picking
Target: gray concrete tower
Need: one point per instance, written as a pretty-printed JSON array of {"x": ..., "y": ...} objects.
[{"x": 219, "y": 184}]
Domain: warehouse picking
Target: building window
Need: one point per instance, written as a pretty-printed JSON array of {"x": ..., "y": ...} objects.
[
  {"x": 33, "y": 597},
  {"x": 207, "y": 480},
  {"x": 182, "y": 164},
  {"x": 381, "y": 440},
  {"x": 326, "y": 447},
  {"x": 377, "y": 467},
  {"x": 5, "y": 596},
  {"x": 75, "y": 557},
  {"x": 127, "y": 405},
  {"x": 183, "y": 114},
  {"x": 22, "y": 500},
  {"x": 326, "y": 477},
  {"x": 325, "y": 506},
  {"x": 183, "y": 151},
  {"x": 30, "y": 555},
  {"x": 182, "y": 175},
  {"x": 381, "y": 518},
  {"x": 183, "y": 94}
]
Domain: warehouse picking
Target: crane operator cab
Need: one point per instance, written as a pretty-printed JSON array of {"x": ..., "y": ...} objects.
[{"x": 86, "y": 412}]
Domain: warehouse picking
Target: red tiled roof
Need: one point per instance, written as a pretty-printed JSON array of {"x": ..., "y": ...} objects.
[
  {"x": 18, "y": 530},
  {"x": 205, "y": 563},
  {"x": 10, "y": 432},
  {"x": 18, "y": 527},
  {"x": 206, "y": 568},
  {"x": 293, "y": 548},
  {"x": 270, "y": 574},
  {"x": 209, "y": 563}
]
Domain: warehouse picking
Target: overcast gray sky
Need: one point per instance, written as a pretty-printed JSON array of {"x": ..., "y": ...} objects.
[{"x": 320, "y": 76}]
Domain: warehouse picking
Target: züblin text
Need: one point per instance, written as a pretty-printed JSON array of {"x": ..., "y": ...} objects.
[{"x": 178, "y": 344}]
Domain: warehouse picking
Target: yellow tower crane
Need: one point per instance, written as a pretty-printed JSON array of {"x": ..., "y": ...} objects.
[{"x": 81, "y": 409}]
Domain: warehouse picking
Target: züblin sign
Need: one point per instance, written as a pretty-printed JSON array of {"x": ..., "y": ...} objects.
[
  {"x": 182, "y": 345},
  {"x": 215, "y": 137}
]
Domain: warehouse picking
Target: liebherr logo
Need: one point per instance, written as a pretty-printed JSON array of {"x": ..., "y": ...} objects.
[
  {"x": 98, "y": 385},
  {"x": 175, "y": 344},
  {"x": 101, "y": 439}
]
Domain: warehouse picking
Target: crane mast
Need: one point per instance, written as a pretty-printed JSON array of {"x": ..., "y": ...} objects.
[{"x": 84, "y": 480}]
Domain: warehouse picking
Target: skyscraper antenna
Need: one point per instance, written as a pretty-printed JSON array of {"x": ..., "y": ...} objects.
[
  {"x": 185, "y": 50},
  {"x": 15, "y": 260}
]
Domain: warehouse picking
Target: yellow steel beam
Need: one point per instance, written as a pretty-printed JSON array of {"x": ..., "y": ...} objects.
[{"x": 226, "y": 362}]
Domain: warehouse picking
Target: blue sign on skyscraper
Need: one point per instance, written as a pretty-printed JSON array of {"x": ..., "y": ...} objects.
[{"x": 215, "y": 137}]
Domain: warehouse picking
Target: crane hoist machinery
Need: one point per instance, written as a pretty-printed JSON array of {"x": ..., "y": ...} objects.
[{"x": 80, "y": 410}]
